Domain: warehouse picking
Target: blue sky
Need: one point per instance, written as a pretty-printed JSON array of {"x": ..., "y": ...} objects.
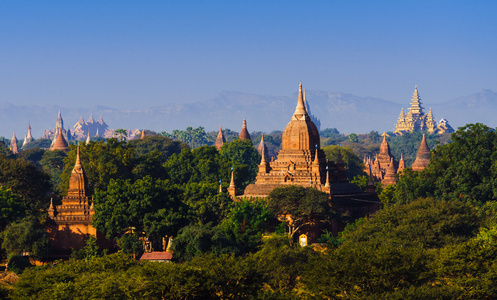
[{"x": 147, "y": 53}]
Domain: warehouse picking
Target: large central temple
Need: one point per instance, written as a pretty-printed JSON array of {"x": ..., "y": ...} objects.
[{"x": 300, "y": 160}]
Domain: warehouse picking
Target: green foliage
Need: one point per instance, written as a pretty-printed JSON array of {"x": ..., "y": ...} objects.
[
  {"x": 283, "y": 264},
  {"x": 195, "y": 240},
  {"x": 39, "y": 143},
  {"x": 353, "y": 138},
  {"x": 89, "y": 251},
  {"x": 462, "y": 170},
  {"x": 25, "y": 180},
  {"x": 362, "y": 182},
  {"x": 118, "y": 276},
  {"x": 11, "y": 207},
  {"x": 130, "y": 244},
  {"x": 149, "y": 205},
  {"x": 18, "y": 263},
  {"x": 102, "y": 161},
  {"x": 52, "y": 163},
  {"x": 408, "y": 144},
  {"x": 26, "y": 235},
  {"x": 298, "y": 207},
  {"x": 353, "y": 164},
  {"x": 164, "y": 145},
  {"x": 246, "y": 223},
  {"x": 123, "y": 133},
  {"x": 33, "y": 155},
  {"x": 430, "y": 223},
  {"x": 195, "y": 137},
  {"x": 244, "y": 157},
  {"x": 205, "y": 203}
]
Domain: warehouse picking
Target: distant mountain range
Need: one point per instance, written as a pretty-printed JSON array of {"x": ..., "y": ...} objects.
[{"x": 346, "y": 112}]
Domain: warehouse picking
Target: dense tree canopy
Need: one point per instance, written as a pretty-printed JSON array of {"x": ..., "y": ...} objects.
[
  {"x": 353, "y": 164},
  {"x": 297, "y": 207},
  {"x": 464, "y": 169}
]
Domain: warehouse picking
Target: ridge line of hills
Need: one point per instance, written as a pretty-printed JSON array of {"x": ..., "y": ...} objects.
[{"x": 346, "y": 112}]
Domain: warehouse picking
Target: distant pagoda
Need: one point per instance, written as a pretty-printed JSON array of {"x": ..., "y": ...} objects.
[{"x": 417, "y": 120}]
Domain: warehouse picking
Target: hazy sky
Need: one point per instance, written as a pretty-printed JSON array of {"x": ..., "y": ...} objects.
[{"x": 146, "y": 53}]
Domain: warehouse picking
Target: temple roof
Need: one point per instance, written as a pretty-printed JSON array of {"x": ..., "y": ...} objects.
[
  {"x": 220, "y": 140},
  {"x": 416, "y": 107},
  {"x": 60, "y": 142},
  {"x": 384, "y": 147},
  {"x": 422, "y": 156},
  {"x": 244, "y": 134},
  {"x": 78, "y": 183},
  {"x": 300, "y": 133}
]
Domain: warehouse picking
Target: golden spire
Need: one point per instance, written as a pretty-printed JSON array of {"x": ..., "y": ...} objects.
[
  {"x": 300, "y": 110},
  {"x": 232, "y": 183},
  {"x": 327, "y": 184},
  {"x": 77, "y": 165},
  {"x": 316, "y": 158},
  {"x": 220, "y": 140},
  {"x": 143, "y": 134},
  {"x": 244, "y": 134}
]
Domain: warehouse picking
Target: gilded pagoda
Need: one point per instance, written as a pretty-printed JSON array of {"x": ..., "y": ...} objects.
[{"x": 415, "y": 119}]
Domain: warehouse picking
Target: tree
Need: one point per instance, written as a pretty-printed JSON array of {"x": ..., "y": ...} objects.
[
  {"x": 244, "y": 157},
  {"x": 394, "y": 250},
  {"x": 39, "y": 143},
  {"x": 461, "y": 170},
  {"x": 164, "y": 145},
  {"x": 25, "y": 180},
  {"x": 148, "y": 205},
  {"x": 11, "y": 208},
  {"x": 353, "y": 138},
  {"x": 123, "y": 133},
  {"x": 102, "y": 161},
  {"x": 194, "y": 240},
  {"x": 246, "y": 223},
  {"x": 52, "y": 163},
  {"x": 353, "y": 164},
  {"x": 298, "y": 207},
  {"x": 33, "y": 155},
  {"x": 27, "y": 235},
  {"x": 205, "y": 203}
]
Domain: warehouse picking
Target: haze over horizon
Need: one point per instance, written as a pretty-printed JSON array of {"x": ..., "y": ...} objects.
[{"x": 129, "y": 54}]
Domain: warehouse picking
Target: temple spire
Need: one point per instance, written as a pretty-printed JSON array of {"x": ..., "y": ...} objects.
[
  {"x": 143, "y": 134},
  {"x": 30, "y": 137},
  {"x": 13, "y": 144},
  {"x": 244, "y": 134},
  {"x": 77, "y": 165},
  {"x": 422, "y": 156},
  {"x": 88, "y": 138},
  {"x": 232, "y": 190},
  {"x": 300, "y": 111},
  {"x": 316, "y": 158},
  {"x": 220, "y": 140},
  {"x": 416, "y": 107}
]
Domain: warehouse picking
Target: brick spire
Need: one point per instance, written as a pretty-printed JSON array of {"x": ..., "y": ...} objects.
[
  {"x": 390, "y": 174},
  {"x": 232, "y": 190},
  {"x": 143, "y": 134},
  {"x": 13, "y": 144},
  {"x": 220, "y": 140},
  {"x": 402, "y": 164},
  {"x": 422, "y": 157},
  {"x": 244, "y": 134},
  {"x": 60, "y": 142},
  {"x": 78, "y": 183},
  {"x": 300, "y": 111}
]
